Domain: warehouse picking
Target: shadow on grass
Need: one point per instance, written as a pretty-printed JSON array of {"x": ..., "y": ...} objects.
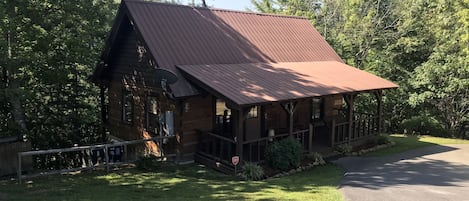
[{"x": 192, "y": 182}]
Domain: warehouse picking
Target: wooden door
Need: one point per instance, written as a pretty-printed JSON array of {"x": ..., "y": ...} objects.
[{"x": 253, "y": 124}]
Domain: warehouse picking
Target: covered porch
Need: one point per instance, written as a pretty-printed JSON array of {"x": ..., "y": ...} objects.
[{"x": 258, "y": 104}]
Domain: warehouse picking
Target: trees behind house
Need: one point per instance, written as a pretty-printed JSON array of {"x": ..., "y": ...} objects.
[
  {"x": 421, "y": 45},
  {"x": 47, "y": 51},
  {"x": 48, "y": 48}
]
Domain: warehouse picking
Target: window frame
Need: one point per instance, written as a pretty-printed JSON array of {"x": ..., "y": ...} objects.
[
  {"x": 317, "y": 108},
  {"x": 147, "y": 112},
  {"x": 127, "y": 95},
  {"x": 253, "y": 112}
]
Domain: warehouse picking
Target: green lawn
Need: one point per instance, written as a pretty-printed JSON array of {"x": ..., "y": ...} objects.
[
  {"x": 405, "y": 143},
  {"x": 189, "y": 182}
]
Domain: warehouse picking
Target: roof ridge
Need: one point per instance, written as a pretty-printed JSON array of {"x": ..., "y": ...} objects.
[{"x": 214, "y": 9}]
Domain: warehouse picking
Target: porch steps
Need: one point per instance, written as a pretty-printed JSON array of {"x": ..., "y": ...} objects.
[{"x": 213, "y": 163}]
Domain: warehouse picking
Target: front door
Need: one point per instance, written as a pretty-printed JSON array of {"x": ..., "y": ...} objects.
[{"x": 253, "y": 124}]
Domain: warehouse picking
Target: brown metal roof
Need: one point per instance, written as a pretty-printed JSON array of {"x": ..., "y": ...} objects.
[
  {"x": 253, "y": 83},
  {"x": 183, "y": 35}
]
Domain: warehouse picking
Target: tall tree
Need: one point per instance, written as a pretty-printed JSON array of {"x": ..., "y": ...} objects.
[{"x": 54, "y": 46}]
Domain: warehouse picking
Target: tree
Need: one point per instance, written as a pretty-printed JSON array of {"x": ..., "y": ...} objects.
[
  {"x": 442, "y": 82},
  {"x": 54, "y": 47}
]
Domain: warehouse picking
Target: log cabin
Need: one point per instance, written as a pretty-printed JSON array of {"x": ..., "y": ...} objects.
[{"x": 222, "y": 83}]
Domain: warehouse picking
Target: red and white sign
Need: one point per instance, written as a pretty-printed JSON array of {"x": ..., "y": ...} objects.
[{"x": 235, "y": 160}]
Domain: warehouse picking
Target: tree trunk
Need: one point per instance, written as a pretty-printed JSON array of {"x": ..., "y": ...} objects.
[{"x": 17, "y": 111}]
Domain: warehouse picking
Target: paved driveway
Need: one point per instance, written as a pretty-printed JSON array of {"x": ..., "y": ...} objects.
[{"x": 427, "y": 174}]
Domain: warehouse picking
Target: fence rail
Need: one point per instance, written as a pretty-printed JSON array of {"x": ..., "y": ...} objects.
[
  {"x": 86, "y": 156},
  {"x": 364, "y": 126}
]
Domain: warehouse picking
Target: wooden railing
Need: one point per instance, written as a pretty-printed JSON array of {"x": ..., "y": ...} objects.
[
  {"x": 217, "y": 147},
  {"x": 364, "y": 125},
  {"x": 221, "y": 149},
  {"x": 255, "y": 149},
  {"x": 84, "y": 157}
]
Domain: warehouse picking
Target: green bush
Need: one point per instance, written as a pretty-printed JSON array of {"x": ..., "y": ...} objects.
[
  {"x": 344, "y": 148},
  {"x": 284, "y": 154},
  {"x": 148, "y": 162},
  {"x": 252, "y": 172},
  {"x": 423, "y": 125},
  {"x": 316, "y": 158},
  {"x": 383, "y": 139}
]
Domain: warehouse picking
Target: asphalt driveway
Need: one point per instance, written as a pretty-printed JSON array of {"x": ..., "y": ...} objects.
[{"x": 428, "y": 174}]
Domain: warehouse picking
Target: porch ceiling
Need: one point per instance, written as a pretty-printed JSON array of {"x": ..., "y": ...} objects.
[{"x": 255, "y": 83}]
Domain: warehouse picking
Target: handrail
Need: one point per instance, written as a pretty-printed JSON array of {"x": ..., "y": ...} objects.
[
  {"x": 81, "y": 148},
  {"x": 220, "y": 137}
]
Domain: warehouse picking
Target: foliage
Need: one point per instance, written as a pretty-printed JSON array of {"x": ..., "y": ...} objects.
[
  {"x": 146, "y": 162},
  {"x": 420, "y": 45},
  {"x": 316, "y": 158},
  {"x": 383, "y": 139},
  {"x": 252, "y": 171},
  {"x": 344, "y": 148},
  {"x": 284, "y": 154},
  {"x": 189, "y": 182},
  {"x": 422, "y": 125},
  {"x": 47, "y": 51},
  {"x": 405, "y": 143}
]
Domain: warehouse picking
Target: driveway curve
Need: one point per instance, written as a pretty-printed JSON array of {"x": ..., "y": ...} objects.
[{"x": 431, "y": 173}]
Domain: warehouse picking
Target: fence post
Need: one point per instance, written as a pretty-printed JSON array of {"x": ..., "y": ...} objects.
[
  {"x": 310, "y": 137},
  {"x": 125, "y": 154},
  {"x": 106, "y": 155},
  {"x": 19, "y": 168}
]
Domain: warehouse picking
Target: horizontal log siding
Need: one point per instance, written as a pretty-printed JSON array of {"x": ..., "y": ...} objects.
[
  {"x": 133, "y": 71},
  {"x": 197, "y": 117}
]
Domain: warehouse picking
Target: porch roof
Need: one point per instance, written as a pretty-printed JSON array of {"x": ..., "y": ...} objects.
[{"x": 255, "y": 83}]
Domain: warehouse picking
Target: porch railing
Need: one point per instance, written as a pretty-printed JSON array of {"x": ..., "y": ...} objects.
[
  {"x": 217, "y": 147},
  {"x": 363, "y": 126},
  {"x": 255, "y": 149},
  {"x": 221, "y": 149}
]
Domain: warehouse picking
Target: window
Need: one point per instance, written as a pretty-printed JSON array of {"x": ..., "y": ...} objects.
[
  {"x": 127, "y": 106},
  {"x": 222, "y": 117},
  {"x": 167, "y": 123},
  {"x": 152, "y": 114},
  {"x": 316, "y": 108},
  {"x": 253, "y": 112}
]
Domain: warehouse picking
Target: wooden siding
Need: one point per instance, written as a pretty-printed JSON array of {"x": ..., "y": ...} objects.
[
  {"x": 198, "y": 117},
  {"x": 132, "y": 71}
]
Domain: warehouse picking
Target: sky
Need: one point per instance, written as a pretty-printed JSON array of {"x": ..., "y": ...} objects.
[{"x": 230, "y": 4}]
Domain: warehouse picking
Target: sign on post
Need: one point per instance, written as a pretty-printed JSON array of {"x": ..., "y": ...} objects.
[{"x": 235, "y": 160}]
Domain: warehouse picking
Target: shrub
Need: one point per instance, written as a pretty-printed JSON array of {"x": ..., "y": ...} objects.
[
  {"x": 284, "y": 154},
  {"x": 344, "y": 148},
  {"x": 316, "y": 158},
  {"x": 382, "y": 139},
  {"x": 423, "y": 125},
  {"x": 147, "y": 162},
  {"x": 252, "y": 171}
]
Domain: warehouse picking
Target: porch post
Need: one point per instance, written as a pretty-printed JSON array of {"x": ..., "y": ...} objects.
[
  {"x": 310, "y": 137},
  {"x": 239, "y": 131},
  {"x": 379, "y": 98},
  {"x": 290, "y": 107},
  {"x": 349, "y": 100}
]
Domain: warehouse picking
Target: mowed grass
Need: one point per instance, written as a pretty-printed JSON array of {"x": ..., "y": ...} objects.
[
  {"x": 189, "y": 182},
  {"x": 405, "y": 143}
]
